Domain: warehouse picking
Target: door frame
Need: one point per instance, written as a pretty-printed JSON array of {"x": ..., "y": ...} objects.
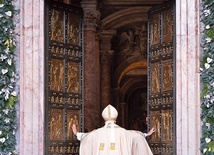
[{"x": 31, "y": 57}]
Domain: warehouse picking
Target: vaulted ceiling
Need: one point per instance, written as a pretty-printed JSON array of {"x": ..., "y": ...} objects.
[{"x": 108, "y": 7}]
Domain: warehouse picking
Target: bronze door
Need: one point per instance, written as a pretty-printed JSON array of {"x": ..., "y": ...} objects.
[
  {"x": 64, "y": 104},
  {"x": 161, "y": 77}
]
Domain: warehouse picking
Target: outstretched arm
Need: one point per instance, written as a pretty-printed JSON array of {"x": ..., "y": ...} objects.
[
  {"x": 151, "y": 131},
  {"x": 74, "y": 129},
  {"x": 78, "y": 134}
]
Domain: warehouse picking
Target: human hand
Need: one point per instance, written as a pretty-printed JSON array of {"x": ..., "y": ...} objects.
[
  {"x": 151, "y": 131},
  {"x": 74, "y": 129}
]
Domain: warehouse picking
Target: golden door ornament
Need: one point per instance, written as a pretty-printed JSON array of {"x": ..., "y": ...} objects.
[{"x": 56, "y": 25}]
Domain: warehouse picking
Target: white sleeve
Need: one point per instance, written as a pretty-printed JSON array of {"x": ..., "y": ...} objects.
[
  {"x": 145, "y": 135},
  {"x": 79, "y": 135}
]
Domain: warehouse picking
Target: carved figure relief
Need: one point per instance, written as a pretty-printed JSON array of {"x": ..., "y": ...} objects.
[
  {"x": 73, "y": 101},
  {"x": 166, "y": 125},
  {"x": 167, "y": 75},
  {"x": 168, "y": 23},
  {"x": 73, "y": 78},
  {"x": 155, "y": 29},
  {"x": 133, "y": 41},
  {"x": 73, "y": 29},
  {"x": 155, "y": 122},
  {"x": 56, "y": 25},
  {"x": 126, "y": 42},
  {"x": 56, "y": 125},
  {"x": 57, "y": 149},
  {"x": 56, "y": 75},
  {"x": 72, "y": 118},
  {"x": 143, "y": 39},
  {"x": 155, "y": 77}
]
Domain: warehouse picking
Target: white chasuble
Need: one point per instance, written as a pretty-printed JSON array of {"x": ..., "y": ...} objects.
[{"x": 114, "y": 140}]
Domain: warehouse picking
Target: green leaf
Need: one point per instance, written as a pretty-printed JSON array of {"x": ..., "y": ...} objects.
[
  {"x": 11, "y": 101},
  {"x": 210, "y": 120},
  {"x": 210, "y": 33},
  {"x": 211, "y": 146},
  {"x": 204, "y": 90}
]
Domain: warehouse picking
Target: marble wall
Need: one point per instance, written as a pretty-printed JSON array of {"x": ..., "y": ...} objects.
[
  {"x": 31, "y": 77},
  {"x": 187, "y": 77},
  {"x": 31, "y": 140}
]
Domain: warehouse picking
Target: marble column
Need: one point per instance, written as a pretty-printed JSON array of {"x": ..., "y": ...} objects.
[
  {"x": 91, "y": 65},
  {"x": 106, "y": 55},
  {"x": 31, "y": 73},
  {"x": 122, "y": 105},
  {"x": 187, "y": 77},
  {"x": 116, "y": 102}
]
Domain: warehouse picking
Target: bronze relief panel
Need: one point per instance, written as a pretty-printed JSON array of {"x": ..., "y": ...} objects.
[
  {"x": 155, "y": 123},
  {"x": 167, "y": 75},
  {"x": 56, "y": 75},
  {"x": 56, "y": 124},
  {"x": 57, "y": 25},
  {"x": 167, "y": 25},
  {"x": 72, "y": 118},
  {"x": 73, "y": 29},
  {"x": 166, "y": 119},
  {"x": 73, "y": 84},
  {"x": 155, "y": 78},
  {"x": 155, "y": 29}
]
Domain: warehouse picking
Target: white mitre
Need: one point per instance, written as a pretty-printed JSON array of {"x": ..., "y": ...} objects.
[{"x": 109, "y": 113}]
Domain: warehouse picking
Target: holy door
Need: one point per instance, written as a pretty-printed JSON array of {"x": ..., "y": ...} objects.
[
  {"x": 161, "y": 77},
  {"x": 63, "y": 78}
]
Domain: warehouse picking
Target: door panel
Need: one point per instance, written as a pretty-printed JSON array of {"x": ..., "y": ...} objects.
[
  {"x": 161, "y": 77},
  {"x": 64, "y": 105}
]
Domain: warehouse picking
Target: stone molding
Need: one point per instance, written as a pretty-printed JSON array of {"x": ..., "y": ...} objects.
[{"x": 105, "y": 39}]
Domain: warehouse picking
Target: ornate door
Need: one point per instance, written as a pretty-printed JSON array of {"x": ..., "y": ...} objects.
[
  {"x": 161, "y": 77},
  {"x": 64, "y": 105}
]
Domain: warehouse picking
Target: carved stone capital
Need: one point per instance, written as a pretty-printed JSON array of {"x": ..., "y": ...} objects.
[{"x": 91, "y": 15}]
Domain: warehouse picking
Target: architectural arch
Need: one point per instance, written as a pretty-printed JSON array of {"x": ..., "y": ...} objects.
[
  {"x": 126, "y": 66},
  {"x": 124, "y": 17},
  {"x": 130, "y": 86}
]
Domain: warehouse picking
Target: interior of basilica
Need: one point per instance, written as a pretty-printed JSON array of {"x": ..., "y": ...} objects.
[{"x": 127, "y": 22}]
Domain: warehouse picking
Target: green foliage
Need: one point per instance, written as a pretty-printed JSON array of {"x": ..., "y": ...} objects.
[
  {"x": 8, "y": 94},
  {"x": 207, "y": 78},
  {"x": 211, "y": 146}
]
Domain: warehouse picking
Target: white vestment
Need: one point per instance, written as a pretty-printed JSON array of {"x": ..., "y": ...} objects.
[{"x": 114, "y": 140}]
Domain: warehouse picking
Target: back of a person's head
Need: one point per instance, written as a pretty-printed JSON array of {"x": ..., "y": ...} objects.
[{"x": 109, "y": 113}]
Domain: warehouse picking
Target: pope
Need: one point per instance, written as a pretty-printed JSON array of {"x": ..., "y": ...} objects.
[{"x": 112, "y": 139}]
